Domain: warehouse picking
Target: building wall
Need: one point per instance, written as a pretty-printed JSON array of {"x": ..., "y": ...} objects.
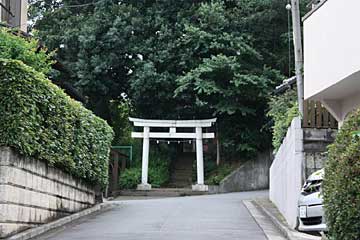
[
  {"x": 331, "y": 45},
  {"x": 32, "y": 193},
  {"x": 286, "y": 173},
  {"x": 19, "y": 9}
]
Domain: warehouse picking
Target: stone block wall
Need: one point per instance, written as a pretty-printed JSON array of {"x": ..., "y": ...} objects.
[
  {"x": 32, "y": 193},
  {"x": 314, "y": 161},
  {"x": 315, "y": 147}
]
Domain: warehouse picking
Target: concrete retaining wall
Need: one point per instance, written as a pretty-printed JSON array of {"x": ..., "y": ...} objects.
[
  {"x": 31, "y": 193},
  {"x": 286, "y": 173},
  {"x": 252, "y": 175}
]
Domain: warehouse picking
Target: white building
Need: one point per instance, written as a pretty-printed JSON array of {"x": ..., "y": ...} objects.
[
  {"x": 331, "y": 56},
  {"x": 14, "y": 13}
]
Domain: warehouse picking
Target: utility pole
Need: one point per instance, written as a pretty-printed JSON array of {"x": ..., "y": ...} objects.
[
  {"x": 299, "y": 62},
  {"x": 299, "y": 65}
]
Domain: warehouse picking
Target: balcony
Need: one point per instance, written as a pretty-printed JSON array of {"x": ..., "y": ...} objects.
[{"x": 332, "y": 56}]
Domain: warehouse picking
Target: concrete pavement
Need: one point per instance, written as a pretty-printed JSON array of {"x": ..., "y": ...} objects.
[{"x": 217, "y": 217}]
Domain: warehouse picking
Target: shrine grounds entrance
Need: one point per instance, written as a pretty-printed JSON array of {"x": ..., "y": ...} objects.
[{"x": 173, "y": 125}]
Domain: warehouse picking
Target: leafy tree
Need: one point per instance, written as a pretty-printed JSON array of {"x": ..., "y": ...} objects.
[
  {"x": 120, "y": 112},
  {"x": 228, "y": 79}
]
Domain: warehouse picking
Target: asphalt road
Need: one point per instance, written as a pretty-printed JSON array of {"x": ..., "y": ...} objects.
[{"x": 209, "y": 217}]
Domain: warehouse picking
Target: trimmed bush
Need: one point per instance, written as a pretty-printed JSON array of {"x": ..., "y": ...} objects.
[
  {"x": 41, "y": 121},
  {"x": 130, "y": 178},
  {"x": 341, "y": 185}
]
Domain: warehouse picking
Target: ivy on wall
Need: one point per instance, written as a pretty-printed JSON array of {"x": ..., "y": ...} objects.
[{"x": 283, "y": 109}]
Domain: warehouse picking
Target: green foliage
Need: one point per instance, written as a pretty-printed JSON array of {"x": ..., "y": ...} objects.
[
  {"x": 213, "y": 173},
  {"x": 130, "y": 178},
  {"x": 158, "y": 173},
  {"x": 120, "y": 113},
  {"x": 341, "y": 186},
  {"x": 219, "y": 56},
  {"x": 209, "y": 167},
  {"x": 217, "y": 175},
  {"x": 41, "y": 121},
  {"x": 226, "y": 78},
  {"x": 25, "y": 50},
  {"x": 283, "y": 109}
]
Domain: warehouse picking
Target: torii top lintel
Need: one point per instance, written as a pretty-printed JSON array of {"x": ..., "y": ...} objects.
[{"x": 172, "y": 123}]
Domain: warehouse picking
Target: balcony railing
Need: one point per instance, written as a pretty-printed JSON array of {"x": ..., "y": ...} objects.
[
  {"x": 316, "y": 116},
  {"x": 313, "y": 3}
]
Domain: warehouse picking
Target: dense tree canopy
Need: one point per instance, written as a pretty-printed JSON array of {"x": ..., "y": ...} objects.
[{"x": 173, "y": 59}]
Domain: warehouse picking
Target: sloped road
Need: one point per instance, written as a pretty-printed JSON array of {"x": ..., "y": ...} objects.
[{"x": 213, "y": 217}]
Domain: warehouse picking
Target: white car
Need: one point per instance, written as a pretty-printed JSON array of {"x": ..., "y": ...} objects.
[{"x": 310, "y": 204}]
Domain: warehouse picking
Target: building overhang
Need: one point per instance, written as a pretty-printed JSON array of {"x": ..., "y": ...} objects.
[
  {"x": 342, "y": 97},
  {"x": 340, "y": 90}
]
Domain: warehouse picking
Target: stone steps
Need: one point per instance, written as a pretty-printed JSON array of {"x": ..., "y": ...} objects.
[
  {"x": 182, "y": 170},
  {"x": 161, "y": 192}
]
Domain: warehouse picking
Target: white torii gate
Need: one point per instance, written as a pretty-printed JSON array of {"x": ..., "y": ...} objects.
[{"x": 172, "y": 125}]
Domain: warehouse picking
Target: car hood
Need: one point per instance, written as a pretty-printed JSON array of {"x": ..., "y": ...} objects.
[
  {"x": 311, "y": 199},
  {"x": 318, "y": 175}
]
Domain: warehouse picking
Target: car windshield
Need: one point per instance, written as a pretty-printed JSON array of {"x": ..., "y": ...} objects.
[{"x": 311, "y": 187}]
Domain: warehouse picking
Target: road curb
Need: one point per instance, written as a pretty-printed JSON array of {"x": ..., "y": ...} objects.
[
  {"x": 282, "y": 226},
  {"x": 37, "y": 231},
  {"x": 270, "y": 230}
]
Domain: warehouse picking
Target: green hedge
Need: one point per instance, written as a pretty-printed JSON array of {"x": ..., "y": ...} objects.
[
  {"x": 41, "y": 121},
  {"x": 341, "y": 186}
]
